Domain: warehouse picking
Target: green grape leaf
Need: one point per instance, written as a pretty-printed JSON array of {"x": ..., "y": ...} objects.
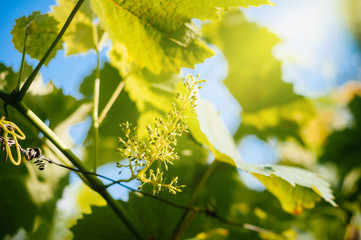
[
  {"x": 79, "y": 37},
  {"x": 207, "y": 128},
  {"x": 160, "y": 35},
  {"x": 122, "y": 110},
  {"x": 295, "y": 188},
  {"x": 41, "y": 30},
  {"x": 254, "y": 77}
]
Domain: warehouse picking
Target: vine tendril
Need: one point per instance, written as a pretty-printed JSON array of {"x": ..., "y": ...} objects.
[{"x": 6, "y": 128}]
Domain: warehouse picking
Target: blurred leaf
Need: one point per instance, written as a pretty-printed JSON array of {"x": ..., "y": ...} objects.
[
  {"x": 161, "y": 35},
  {"x": 87, "y": 198},
  {"x": 119, "y": 58},
  {"x": 45, "y": 100},
  {"x": 326, "y": 223},
  {"x": 283, "y": 121},
  {"x": 209, "y": 129},
  {"x": 76, "y": 200},
  {"x": 254, "y": 77},
  {"x": 42, "y": 29},
  {"x": 214, "y": 234},
  {"x": 342, "y": 147},
  {"x": 353, "y": 8},
  {"x": 158, "y": 90},
  {"x": 8, "y": 78},
  {"x": 91, "y": 228},
  {"x": 79, "y": 37},
  {"x": 17, "y": 208},
  {"x": 122, "y": 110}
]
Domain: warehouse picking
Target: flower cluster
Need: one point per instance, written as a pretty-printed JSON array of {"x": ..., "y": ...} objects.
[{"x": 160, "y": 144}]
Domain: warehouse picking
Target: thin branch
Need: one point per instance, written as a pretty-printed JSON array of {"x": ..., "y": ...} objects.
[
  {"x": 22, "y": 62},
  {"x": 32, "y": 76},
  {"x": 95, "y": 114},
  {"x": 194, "y": 210},
  {"x": 96, "y": 99},
  {"x": 111, "y": 101},
  {"x": 178, "y": 231}
]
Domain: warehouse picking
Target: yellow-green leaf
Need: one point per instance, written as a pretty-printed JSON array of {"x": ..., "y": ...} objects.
[
  {"x": 207, "y": 128},
  {"x": 79, "y": 37},
  {"x": 160, "y": 35},
  {"x": 254, "y": 77},
  {"x": 145, "y": 87},
  {"x": 280, "y": 121},
  {"x": 41, "y": 30}
]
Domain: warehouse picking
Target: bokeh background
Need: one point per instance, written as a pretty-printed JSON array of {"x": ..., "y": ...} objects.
[{"x": 316, "y": 43}]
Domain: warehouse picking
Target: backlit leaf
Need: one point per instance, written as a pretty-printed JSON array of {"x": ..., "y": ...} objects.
[
  {"x": 209, "y": 129},
  {"x": 280, "y": 121},
  {"x": 79, "y": 37},
  {"x": 160, "y": 35},
  {"x": 41, "y": 31},
  {"x": 254, "y": 77},
  {"x": 144, "y": 87}
]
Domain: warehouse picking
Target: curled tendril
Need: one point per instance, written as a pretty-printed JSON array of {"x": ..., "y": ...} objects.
[{"x": 7, "y": 128}]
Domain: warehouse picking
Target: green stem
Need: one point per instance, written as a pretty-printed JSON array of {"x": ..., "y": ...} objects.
[
  {"x": 32, "y": 76},
  {"x": 94, "y": 182},
  {"x": 95, "y": 114},
  {"x": 111, "y": 101},
  {"x": 181, "y": 226},
  {"x": 22, "y": 63}
]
